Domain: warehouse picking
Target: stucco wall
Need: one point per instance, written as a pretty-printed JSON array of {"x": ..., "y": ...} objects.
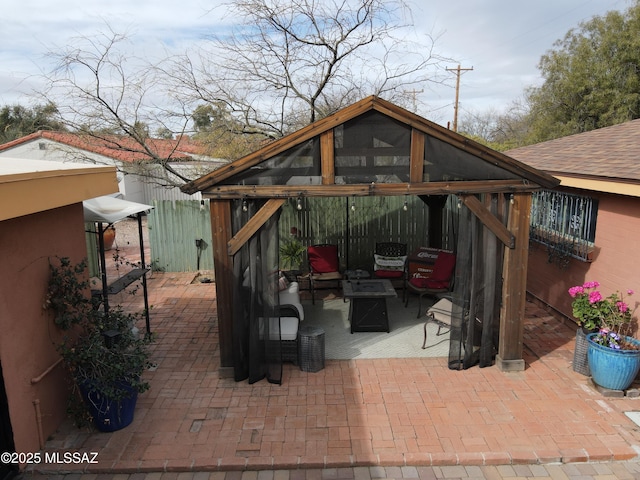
[
  {"x": 28, "y": 334},
  {"x": 616, "y": 263}
]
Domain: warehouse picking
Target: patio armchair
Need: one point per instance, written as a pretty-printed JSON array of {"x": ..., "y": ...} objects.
[
  {"x": 390, "y": 262},
  {"x": 440, "y": 314},
  {"x": 440, "y": 281},
  {"x": 324, "y": 266}
]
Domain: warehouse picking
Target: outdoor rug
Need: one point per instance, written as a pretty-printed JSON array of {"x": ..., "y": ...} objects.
[{"x": 403, "y": 341}]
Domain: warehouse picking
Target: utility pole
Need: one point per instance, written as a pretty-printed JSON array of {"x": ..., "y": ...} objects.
[
  {"x": 414, "y": 94},
  {"x": 455, "y": 106}
]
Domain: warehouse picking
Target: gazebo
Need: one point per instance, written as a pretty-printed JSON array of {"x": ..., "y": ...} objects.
[{"x": 375, "y": 148}]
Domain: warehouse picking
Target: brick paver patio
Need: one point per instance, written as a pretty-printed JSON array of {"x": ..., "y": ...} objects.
[{"x": 355, "y": 413}]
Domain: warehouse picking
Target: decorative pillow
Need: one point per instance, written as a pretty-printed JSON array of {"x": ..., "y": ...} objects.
[
  {"x": 389, "y": 263},
  {"x": 442, "y": 272},
  {"x": 283, "y": 283},
  {"x": 443, "y": 268},
  {"x": 323, "y": 259}
]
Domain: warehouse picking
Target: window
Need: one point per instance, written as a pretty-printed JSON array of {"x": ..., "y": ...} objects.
[{"x": 565, "y": 223}]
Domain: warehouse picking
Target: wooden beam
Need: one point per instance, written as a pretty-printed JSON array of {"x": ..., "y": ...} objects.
[
  {"x": 220, "y": 211},
  {"x": 514, "y": 290},
  {"x": 364, "y": 190},
  {"x": 327, "y": 159},
  {"x": 489, "y": 220},
  {"x": 253, "y": 225},
  {"x": 466, "y": 144},
  {"x": 416, "y": 167}
]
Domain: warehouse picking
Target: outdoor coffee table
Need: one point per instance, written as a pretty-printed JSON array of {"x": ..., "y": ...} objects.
[{"x": 368, "y": 307}]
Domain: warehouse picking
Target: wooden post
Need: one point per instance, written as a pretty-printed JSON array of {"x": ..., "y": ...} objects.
[
  {"x": 327, "y": 160},
  {"x": 514, "y": 289},
  {"x": 223, "y": 264},
  {"x": 436, "y": 205}
]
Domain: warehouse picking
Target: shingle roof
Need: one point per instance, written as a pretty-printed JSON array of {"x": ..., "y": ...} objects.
[
  {"x": 117, "y": 147},
  {"x": 610, "y": 152}
]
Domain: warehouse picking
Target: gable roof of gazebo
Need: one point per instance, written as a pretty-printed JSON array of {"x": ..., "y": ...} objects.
[{"x": 428, "y": 159}]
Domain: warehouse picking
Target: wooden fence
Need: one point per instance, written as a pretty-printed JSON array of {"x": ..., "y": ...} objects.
[{"x": 356, "y": 225}]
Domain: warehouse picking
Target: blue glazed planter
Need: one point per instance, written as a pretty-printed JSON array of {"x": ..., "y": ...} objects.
[
  {"x": 613, "y": 369},
  {"x": 109, "y": 415}
]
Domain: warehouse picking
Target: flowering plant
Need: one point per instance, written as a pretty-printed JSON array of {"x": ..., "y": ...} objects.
[
  {"x": 608, "y": 338},
  {"x": 594, "y": 311},
  {"x": 610, "y": 315}
]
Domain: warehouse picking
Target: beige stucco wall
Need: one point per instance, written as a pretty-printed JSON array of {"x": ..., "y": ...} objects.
[
  {"x": 28, "y": 334},
  {"x": 41, "y": 216},
  {"x": 616, "y": 263}
]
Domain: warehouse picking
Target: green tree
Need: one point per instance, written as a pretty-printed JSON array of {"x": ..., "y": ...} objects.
[
  {"x": 17, "y": 121},
  {"x": 591, "y": 78},
  {"x": 222, "y": 132}
]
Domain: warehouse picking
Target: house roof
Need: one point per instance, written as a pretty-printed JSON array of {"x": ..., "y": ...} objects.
[
  {"x": 594, "y": 160},
  {"x": 429, "y": 144},
  {"x": 31, "y": 186},
  {"x": 121, "y": 148}
]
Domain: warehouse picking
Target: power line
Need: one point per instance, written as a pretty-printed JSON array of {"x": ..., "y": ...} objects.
[{"x": 458, "y": 71}]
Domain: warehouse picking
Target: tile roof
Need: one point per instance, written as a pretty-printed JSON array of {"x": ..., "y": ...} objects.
[
  {"x": 610, "y": 152},
  {"x": 118, "y": 147}
]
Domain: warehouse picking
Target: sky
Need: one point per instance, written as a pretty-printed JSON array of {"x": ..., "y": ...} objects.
[{"x": 501, "y": 40}]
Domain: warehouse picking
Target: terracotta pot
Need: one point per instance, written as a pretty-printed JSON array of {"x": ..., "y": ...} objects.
[{"x": 109, "y": 236}]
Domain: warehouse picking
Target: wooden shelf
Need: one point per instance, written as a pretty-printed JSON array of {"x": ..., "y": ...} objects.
[{"x": 126, "y": 280}]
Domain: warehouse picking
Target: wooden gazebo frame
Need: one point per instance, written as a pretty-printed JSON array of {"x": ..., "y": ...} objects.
[{"x": 220, "y": 187}]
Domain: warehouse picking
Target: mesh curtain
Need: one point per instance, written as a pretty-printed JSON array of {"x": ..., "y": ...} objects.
[
  {"x": 477, "y": 288},
  {"x": 256, "y": 341}
]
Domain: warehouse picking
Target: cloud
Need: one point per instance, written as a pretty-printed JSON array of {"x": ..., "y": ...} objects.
[{"x": 502, "y": 40}]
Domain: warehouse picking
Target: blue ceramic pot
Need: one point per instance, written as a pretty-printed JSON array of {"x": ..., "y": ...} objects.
[
  {"x": 109, "y": 415},
  {"x": 613, "y": 369}
]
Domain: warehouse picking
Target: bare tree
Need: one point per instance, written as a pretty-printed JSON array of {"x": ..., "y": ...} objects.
[
  {"x": 290, "y": 62},
  {"x": 111, "y": 99},
  {"x": 285, "y": 63},
  {"x": 500, "y": 130}
]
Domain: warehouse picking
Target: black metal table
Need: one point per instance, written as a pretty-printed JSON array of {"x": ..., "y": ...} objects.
[{"x": 368, "y": 307}]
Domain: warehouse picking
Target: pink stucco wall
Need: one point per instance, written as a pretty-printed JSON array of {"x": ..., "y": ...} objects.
[
  {"x": 616, "y": 263},
  {"x": 28, "y": 335}
]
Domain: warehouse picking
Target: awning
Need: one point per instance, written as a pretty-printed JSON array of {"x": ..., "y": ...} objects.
[{"x": 109, "y": 209}]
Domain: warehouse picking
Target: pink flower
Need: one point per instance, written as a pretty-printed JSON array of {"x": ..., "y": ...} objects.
[
  {"x": 629, "y": 292},
  {"x": 595, "y": 297},
  {"x": 622, "y": 307},
  {"x": 578, "y": 290},
  {"x": 591, "y": 284}
]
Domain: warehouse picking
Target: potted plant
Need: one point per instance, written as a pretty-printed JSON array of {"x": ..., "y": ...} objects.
[
  {"x": 589, "y": 317},
  {"x": 291, "y": 255},
  {"x": 102, "y": 351},
  {"x": 613, "y": 355}
]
